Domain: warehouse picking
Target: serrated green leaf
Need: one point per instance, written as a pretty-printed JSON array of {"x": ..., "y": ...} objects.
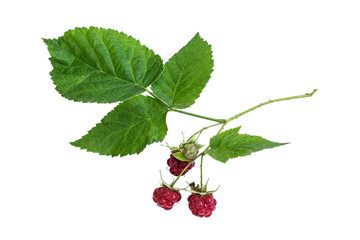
[
  {"x": 231, "y": 144},
  {"x": 185, "y": 74},
  {"x": 128, "y": 128},
  {"x": 101, "y": 65},
  {"x": 180, "y": 156}
]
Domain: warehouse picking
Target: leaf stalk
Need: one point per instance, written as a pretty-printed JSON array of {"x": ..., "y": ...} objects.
[{"x": 198, "y": 116}]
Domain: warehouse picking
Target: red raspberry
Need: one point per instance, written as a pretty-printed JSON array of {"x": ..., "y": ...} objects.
[
  {"x": 165, "y": 197},
  {"x": 202, "y": 206},
  {"x": 177, "y": 166}
]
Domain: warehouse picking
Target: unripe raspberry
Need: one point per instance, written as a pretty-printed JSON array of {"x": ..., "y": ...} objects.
[
  {"x": 190, "y": 151},
  {"x": 165, "y": 197},
  {"x": 177, "y": 166},
  {"x": 202, "y": 206}
]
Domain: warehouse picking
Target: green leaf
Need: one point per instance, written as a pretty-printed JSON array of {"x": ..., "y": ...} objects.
[
  {"x": 231, "y": 144},
  {"x": 128, "y": 128},
  {"x": 101, "y": 65},
  {"x": 185, "y": 74}
]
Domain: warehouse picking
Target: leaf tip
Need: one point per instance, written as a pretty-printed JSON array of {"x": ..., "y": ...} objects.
[
  {"x": 74, "y": 143},
  {"x": 46, "y": 40},
  {"x": 238, "y": 128},
  {"x": 198, "y": 37}
]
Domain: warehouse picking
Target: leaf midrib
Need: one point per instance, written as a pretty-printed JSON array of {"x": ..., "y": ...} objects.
[
  {"x": 126, "y": 130},
  {"x": 100, "y": 70},
  {"x": 182, "y": 71},
  {"x": 141, "y": 117}
]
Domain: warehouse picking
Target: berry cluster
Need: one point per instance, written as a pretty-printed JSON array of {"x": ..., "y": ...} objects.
[
  {"x": 177, "y": 166},
  {"x": 165, "y": 197},
  {"x": 201, "y": 201},
  {"x": 202, "y": 206}
]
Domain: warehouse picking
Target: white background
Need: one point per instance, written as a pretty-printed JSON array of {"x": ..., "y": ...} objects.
[{"x": 309, "y": 189}]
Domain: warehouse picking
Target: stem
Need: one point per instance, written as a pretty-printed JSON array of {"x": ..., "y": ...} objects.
[
  {"x": 173, "y": 183},
  {"x": 201, "y": 176},
  {"x": 201, "y": 130},
  {"x": 203, "y": 153},
  {"x": 270, "y": 101},
  {"x": 198, "y": 116},
  {"x": 222, "y": 127}
]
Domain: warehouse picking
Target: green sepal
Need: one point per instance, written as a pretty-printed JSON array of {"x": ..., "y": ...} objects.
[
  {"x": 200, "y": 145},
  {"x": 180, "y": 156},
  {"x": 197, "y": 189},
  {"x": 170, "y": 186}
]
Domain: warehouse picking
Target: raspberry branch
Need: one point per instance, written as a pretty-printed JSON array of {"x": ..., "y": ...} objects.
[{"x": 138, "y": 120}]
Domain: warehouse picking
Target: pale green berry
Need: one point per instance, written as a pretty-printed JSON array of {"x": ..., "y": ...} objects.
[{"x": 190, "y": 151}]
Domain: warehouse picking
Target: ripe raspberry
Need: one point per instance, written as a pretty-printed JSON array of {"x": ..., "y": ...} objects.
[
  {"x": 202, "y": 206},
  {"x": 177, "y": 166},
  {"x": 165, "y": 197}
]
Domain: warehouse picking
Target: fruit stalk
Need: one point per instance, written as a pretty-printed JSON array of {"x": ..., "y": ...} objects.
[
  {"x": 201, "y": 130},
  {"x": 201, "y": 176},
  {"x": 190, "y": 162}
]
